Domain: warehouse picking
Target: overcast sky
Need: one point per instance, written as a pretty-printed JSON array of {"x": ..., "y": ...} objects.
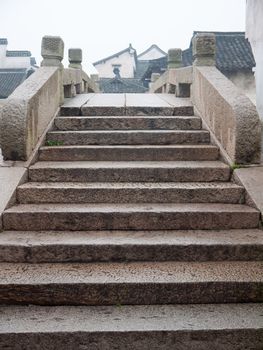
[{"x": 103, "y": 27}]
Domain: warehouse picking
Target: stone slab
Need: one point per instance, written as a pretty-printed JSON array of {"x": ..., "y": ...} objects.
[
  {"x": 72, "y": 106},
  {"x": 138, "y": 216},
  {"x": 10, "y": 178},
  {"x": 131, "y": 283},
  {"x": 184, "y": 327},
  {"x": 252, "y": 179},
  {"x": 145, "y": 100},
  {"x": 114, "y": 246},
  {"x": 129, "y": 153}
]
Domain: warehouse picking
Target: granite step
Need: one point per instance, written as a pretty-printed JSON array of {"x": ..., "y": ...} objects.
[
  {"x": 128, "y": 137},
  {"x": 131, "y": 192},
  {"x": 149, "y": 327},
  {"x": 144, "y": 110},
  {"x": 129, "y": 153},
  {"x": 149, "y": 216},
  {"x": 116, "y": 246},
  {"x": 126, "y": 123},
  {"x": 131, "y": 283},
  {"x": 130, "y": 171}
]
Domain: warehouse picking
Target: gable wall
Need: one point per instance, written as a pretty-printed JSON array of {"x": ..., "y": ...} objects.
[{"x": 127, "y": 62}]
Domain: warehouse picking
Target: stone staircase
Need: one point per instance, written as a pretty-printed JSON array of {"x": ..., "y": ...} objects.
[{"x": 130, "y": 235}]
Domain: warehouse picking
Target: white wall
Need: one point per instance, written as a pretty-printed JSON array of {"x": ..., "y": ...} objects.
[
  {"x": 12, "y": 62},
  {"x": 254, "y": 33},
  {"x": 127, "y": 62}
]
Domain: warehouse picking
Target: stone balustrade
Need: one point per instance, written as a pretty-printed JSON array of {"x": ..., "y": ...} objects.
[
  {"x": 229, "y": 114},
  {"x": 28, "y": 111}
]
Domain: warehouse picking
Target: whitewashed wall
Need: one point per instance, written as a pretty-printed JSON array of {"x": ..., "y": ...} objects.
[
  {"x": 127, "y": 62},
  {"x": 254, "y": 33}
]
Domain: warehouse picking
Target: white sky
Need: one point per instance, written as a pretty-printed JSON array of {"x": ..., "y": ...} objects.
[{"x": 103, "y": 27}]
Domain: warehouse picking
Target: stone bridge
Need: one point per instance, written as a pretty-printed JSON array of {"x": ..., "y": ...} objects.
[{"x": 130, "y": 221}]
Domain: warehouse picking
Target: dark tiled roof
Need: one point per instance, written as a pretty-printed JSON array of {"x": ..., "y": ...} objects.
[
  {"x": 233, "y": 52},
  {"x": 3, "y": 41},
  {"x": 10, "y": 79},
  {"x": 123, "y": 85},
  {"x": 155, "y": 66},
  {"x": 18, "y": 53},
  {"x": 116, "y": 55},
  {"x": 141, "y": 68},
  {"x": 150, "y": 48}
]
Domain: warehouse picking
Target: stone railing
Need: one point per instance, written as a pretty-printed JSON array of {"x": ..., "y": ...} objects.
[
  {"x": 31, "y": 107},
  {"x": 226, "y": 112}
]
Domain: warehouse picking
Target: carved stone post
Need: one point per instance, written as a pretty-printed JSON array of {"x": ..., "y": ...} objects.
[
  {"x": 52, "y": 51},
  {"x": 204, "y": 49},
  {"x": 174, "y": 58},
  {"x": 75, "y": 58}
]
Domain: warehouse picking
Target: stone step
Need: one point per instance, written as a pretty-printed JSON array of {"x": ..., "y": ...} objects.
[
  {"x": 149, "y": 327},
  {"x": 126, "y": 153},
  {"x": 150, "y": 216},
  {"x": 131, "y": 192},
  {"x": 131, "y": 283},
  {"x": 126, "y": 123},
  {"x": 128, "y": 137},
  {"x": 103, "y": 246},
  {"x": 142, "y": 171},
  {"x": 135, "y": 110}
]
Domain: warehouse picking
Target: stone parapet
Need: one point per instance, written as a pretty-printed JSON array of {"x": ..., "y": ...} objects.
[
  {"x": 174, "y": 58},
  {"x": 230, "y": 116},
  {"x": 28, "y": 111}
]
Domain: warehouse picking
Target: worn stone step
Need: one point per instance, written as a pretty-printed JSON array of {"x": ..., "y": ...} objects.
[
  {"x": 126, "y": 123},
  {"x": 131, "y": 283},
  {"x": 128, "y": 137},
  {"x": 149, "y": 327},
  {"x": 103, "y": 246},
  {"x": 140, "y": 171},
  {"x": 150, "y": 216},
  {"x": 131, "y": 192},
  {"x": 126, "y": 153}
]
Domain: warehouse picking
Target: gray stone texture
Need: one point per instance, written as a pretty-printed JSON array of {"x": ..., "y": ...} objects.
[
  {"x": 136, "y": 171},
  {"x": 115, "y": 246},
  {"x": 157, "y": 327},
  {"x": 129, "y": 137},
  {"x": 204, "y": 49},
  {"x": 28, "y": 111},
  {"x": 133, "y": 283},
  {"x": 129, "y": 153},
  {"x": 52, "y": 51},
  {"x": 174, "y": 58},
  {"x": 230, "y": 116},
  {"x": 75, "y": 58}
]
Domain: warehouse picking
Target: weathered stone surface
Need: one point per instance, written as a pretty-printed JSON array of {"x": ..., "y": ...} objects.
[
  {"x": 35, "y": 192},
  {"x": 95, "y": 246},
  {"x": 147, "y": 171},
  {"x": 252, "y": 180},
  {"x": 10, "y": 178},
  {"x": 154, "y": 77},
  {"x": 230, "y": 115},
  {"x": 127, "y": 123},
  {"x": 204, "y": 49},
  {"x": 174, "y": 58},
  {"x": 72, "y": 106},
  {"x": 52, "y": 50},
  {"x": 27, "y": 113},
  {"x": 75, "y": 58},
  {"x": 131, "y": 283},
  {"x": 158, "y": 327},
  {"x": 150, "y": 216},
  {"x": 129, "y": 153},
  {"x": 129, "y": 137}
]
